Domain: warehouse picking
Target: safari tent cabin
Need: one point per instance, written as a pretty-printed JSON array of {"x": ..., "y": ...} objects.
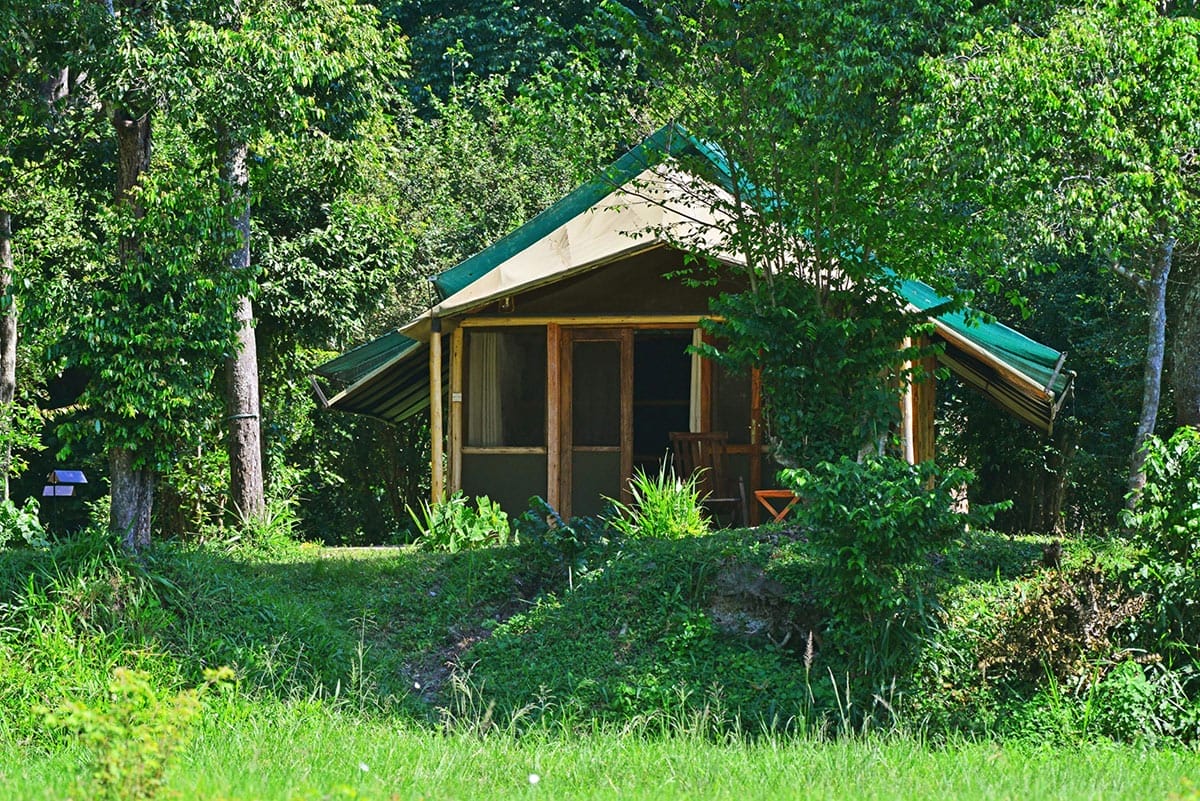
[{"x": 556, "y": 360}]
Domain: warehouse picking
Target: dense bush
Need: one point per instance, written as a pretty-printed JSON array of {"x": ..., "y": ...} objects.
[
  {"x": 1166, "y": 519},
  {"x": 883, "y": 520},
  {"x": 574, "y": 546},
  {"x": 1165, "y": 524},
  {"x": 21, "y": 523}
]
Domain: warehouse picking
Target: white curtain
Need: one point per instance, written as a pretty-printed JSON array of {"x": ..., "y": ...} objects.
[
  {"x": 694, "y": 405},
  {"x": 483, "y": 389}
]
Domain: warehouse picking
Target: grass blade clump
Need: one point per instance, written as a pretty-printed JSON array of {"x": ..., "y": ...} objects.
[{"x": 662, "y": 507}]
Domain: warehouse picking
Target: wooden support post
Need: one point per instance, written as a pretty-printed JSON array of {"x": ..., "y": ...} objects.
[
  {"x": 554, "y": 390},
  {"x": 566, "y": 423},
  {"x": 456, "y": 409},
  {"x": 626, "y": 413},
  {"x": 437, "y": 481},
  {"x": 756, "y": 437},
  {"x": 925, "y": 413}
]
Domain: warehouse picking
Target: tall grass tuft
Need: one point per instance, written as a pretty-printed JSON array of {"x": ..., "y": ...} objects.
[{"x": 663, "y": 506}]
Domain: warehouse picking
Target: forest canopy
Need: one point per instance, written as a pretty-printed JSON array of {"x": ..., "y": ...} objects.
[{"x": 201, "y": 202}]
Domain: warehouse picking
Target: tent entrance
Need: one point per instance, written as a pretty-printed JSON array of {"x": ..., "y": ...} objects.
[
  {"x": 596, "y": 423},
  {"x": 665, "y": 393},
  {"x": 624, "y": 391}
]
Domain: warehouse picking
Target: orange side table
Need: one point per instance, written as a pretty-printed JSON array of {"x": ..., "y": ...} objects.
[{"x": 777, "y": 501}]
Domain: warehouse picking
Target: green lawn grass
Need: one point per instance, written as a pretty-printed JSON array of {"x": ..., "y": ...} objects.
[
  {"x": 305, "y": 751},
  {"x": 330, "y": 645}
]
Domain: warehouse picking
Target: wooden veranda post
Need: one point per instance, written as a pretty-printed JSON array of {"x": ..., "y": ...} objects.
[
  {"x": 554, "y": 389},
  {"x": 456, "y": 409},
  {"x": 437, "y": 482},
  {"x": 918, "y": 408},
  {"x": 908, "y": 412}
]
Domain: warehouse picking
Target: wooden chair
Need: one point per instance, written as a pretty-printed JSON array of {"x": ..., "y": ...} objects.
[{"x": 706, "y": 453}]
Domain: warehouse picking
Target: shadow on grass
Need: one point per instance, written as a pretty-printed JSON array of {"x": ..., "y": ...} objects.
[{"x": 987, "y": 555}]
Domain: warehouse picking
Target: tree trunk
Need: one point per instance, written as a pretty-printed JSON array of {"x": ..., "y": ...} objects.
[
  {"x": 132, "y": 486},
  {"x": 1156, "y": 346},
  {"x": 132, "y": 494},
  {"x": 1058, "y": 461},
  {"x": 1185, "y": 350},
  {"x": 8, "y": 347},
  {"x": 241, "y": 368}
]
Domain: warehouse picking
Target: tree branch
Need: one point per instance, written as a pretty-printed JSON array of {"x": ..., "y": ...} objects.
[{"x": 1129, "y": 275}]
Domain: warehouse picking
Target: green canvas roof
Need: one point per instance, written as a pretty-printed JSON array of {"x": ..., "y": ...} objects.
[
  {"x": 1024, "y": 376},
  {"x": 670, "y": 140}
]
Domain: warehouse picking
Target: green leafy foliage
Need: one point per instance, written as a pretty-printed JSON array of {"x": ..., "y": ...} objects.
[
  {"x": 662, "y": 506},
  {"x": 1166, "y": 520},
  {"x": 161, "y": 322},
  {"x": 832, "y": 371},
  {"x": 882, "y": 520},
  {"x": 453, "y": 524},
  {"x": 576, "y": 545},
  {"x": 1032, "y": 130},
  {"x": 132, "y": 736},
  {"x": 21, "y": 523},
  {"x": 1166, "y": 523}
]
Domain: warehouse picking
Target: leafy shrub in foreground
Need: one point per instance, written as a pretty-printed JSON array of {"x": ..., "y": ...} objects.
[
  {"x": 132, "y": 735},
  {"x": 1166, "y": 523},
  {"x": 21, "y": 523},
  {"x": 452, "y": 524},
  {"x": 578, "y": 545},
  {"x": 879, "y": 519}
]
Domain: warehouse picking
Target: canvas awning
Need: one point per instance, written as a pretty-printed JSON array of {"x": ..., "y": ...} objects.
[
  {"x": 1022, "y": 375},
  {"x": 626, "y": 210},
  {"x": 387, "y": 378}
]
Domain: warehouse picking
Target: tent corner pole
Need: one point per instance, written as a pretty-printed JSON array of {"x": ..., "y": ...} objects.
[{"x": 437, "y": 479}]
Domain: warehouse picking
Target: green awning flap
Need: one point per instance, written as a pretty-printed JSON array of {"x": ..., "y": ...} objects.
[
  {"x": 354, "y": 364},
  {"x": 1021, "y": 374},
  {"x": 386, "y": 378}
]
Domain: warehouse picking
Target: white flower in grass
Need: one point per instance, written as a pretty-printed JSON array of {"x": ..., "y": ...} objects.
[
  {"x": 534, "y": 778},
  {"x": 364, "y": 767}
]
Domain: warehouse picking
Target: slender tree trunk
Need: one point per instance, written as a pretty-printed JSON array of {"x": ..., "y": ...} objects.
[
  {"x": 241, "y": 367},
  {"x": 132, "y": 481},
  {"x": 1156, "y": 346},
  {"x": 1062, "y": 453},
  {"x": 1185, "y": 350},
  {"x": 8, "y": 347}
]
